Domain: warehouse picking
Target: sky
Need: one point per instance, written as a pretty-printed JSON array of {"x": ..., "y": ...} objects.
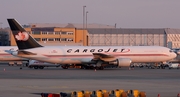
[{"x": 123, "y": 13}]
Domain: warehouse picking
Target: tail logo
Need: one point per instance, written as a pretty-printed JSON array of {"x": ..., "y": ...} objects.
[{"x": 22, "y": 36}]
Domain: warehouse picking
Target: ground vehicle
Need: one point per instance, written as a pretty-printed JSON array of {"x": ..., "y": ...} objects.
[
  {"x": 174, "y": 65},
  {"x": 40, "y": 65}
]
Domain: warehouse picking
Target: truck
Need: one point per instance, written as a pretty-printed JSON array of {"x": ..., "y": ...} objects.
[
  {"x": 174, "y": 65},
  {"x": 40, "y": 65}
]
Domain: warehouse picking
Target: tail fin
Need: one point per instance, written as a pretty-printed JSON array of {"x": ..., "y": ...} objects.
[{"x": 22, "y": 38}]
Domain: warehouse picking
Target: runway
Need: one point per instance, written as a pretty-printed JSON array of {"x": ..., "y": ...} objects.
[{"x": 28, "y": 82}]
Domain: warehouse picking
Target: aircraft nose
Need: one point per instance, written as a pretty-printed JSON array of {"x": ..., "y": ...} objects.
[{"x": 173, "y": 55}]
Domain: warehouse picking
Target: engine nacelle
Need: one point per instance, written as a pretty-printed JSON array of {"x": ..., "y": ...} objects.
[{"x": 124, "y": 62}]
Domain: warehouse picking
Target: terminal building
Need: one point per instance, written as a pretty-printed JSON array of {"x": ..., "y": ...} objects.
[
  {"x": 4, "y": 37},
  {"x": 59, "y": 34},
  {"x": 135, "y": 37},
  {"x": 56, "y": 36},
  {"x": 102, "y": 35}
]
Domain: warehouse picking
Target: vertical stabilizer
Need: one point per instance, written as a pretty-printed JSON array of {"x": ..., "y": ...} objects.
[{"x": 22, "y": 38}]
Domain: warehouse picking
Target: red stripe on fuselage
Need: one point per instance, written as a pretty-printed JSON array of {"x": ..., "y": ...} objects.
[{"x": 116, "y": 55}]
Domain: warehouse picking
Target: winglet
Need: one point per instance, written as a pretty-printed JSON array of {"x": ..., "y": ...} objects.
[{"x": 22, "y": 38}]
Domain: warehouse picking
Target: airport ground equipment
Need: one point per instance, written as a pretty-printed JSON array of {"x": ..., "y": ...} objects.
[
  {"x": 98, "y": 93},
  {"x": 117, "y": 92},
  {"x": 174, "y": 65},
  {"x": 40, "y": 65},
  {"x": 17, "y": 63}
]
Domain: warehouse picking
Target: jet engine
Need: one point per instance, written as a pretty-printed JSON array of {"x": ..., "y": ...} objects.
[{"x": 124, "y": 62}]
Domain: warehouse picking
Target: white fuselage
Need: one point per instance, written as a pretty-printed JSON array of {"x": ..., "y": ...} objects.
[
  {"x": 84, "y": 54},
  {"x": 5, "y": 56}
]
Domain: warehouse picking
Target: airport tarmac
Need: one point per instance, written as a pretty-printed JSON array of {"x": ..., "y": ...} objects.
[{"x": 29, "y": 82}]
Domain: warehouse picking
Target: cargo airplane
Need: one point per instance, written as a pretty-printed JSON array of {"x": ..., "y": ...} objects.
[
  {"x": 7, "y": 57},
  {"x": 96, "y": 56}
]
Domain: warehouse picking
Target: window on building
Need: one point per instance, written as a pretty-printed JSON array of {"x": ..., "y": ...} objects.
[
  {"x": 29, "y": 32},
  {"x": 63, "y": 32},
  {"x": 57, "y": 39},
  {"x": 69, "y": 39},
  {"x": 44, "y": 39},
  {"x": 44, "y": 32},
  {"x": 57, "y": 33},
  {"x": 36, "y": 32},
  {"x": 63, "y": 39},
  {"x": 70, "y": 33},
  {"x": 6, "y": 37},
  {"x": 50, "y": 32},
  {"x": 50, "y": 39},
  {"x": 37, "y": 39}
]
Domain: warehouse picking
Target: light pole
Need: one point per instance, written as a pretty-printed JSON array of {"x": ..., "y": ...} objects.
[
  {"x": 86, "y": 19},
  {"x": 83, "y": 21}
]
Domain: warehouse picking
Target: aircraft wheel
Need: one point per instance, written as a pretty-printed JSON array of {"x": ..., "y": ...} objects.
[
  {"x": 35, "y": 67},
  {"x": 30, "y": 66},
  {"x": 87, "y": 67},
  {"x": 82, "y": 67},
  {"x": 41, "y": 67},
  {"x": 101, "y": 68},
  {"x": 64, "y": 67},
  {"x": 26, "y": 64}
]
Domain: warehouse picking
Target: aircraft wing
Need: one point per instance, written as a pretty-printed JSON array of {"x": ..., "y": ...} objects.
[{"x": 104, "y": 57}]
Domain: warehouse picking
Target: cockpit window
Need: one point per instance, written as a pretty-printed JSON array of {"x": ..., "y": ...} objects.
[{"x": 171, "y": 50}]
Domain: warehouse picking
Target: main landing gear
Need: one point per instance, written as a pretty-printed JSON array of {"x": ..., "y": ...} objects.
[{"x": 65, "y": 66}]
